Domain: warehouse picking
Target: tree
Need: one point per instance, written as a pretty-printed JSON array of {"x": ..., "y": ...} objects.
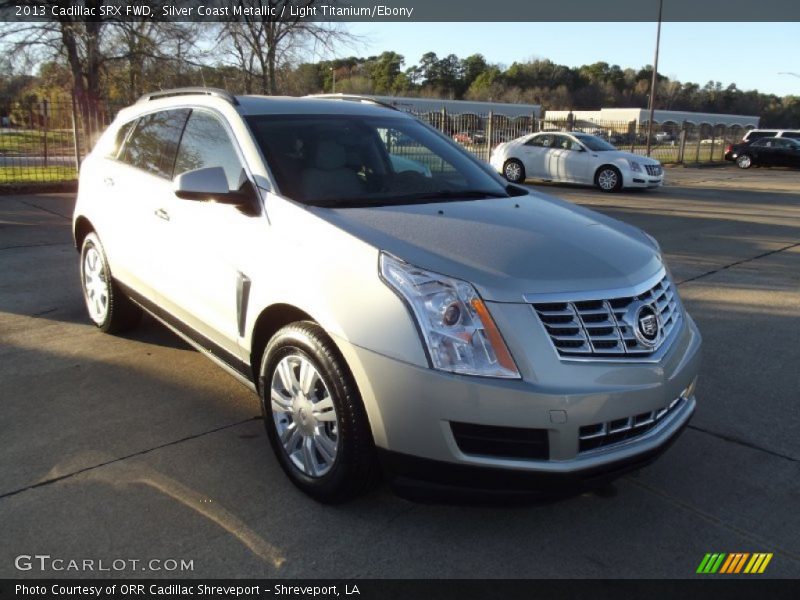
[{"x": 262, "y": 41}]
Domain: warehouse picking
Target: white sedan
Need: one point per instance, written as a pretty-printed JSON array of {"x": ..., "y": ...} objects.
[{"x": 575, "y": 158}]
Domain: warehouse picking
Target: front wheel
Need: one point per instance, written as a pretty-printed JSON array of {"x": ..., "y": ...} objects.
[
  {"x": 608, "y": 179},
  {"x": 107, "y": 305},
  {"x": 315, "y": 420},
  {"x": 514, "y": 171},
  {"x": 744, "y": 161}
]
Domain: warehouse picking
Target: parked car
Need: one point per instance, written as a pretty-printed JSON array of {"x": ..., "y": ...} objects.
[
  {"x": 437, "y": 325},
  {"x": 754, "y": 134},
  {"x": 765, "y": 152},
  {"x": 470, "y": 137},
  {"x": 663, "y": 137},
  {"x": 575, "y": 158}
]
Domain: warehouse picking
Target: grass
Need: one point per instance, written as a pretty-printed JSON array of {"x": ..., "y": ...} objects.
[
  {"x": 21, "y": 142},
  {"x": 23, "y": 175}
]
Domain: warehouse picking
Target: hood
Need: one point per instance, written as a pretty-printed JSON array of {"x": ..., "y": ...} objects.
[
  {"x": 621, "y": 154},
  {"x": 508, "y": 247}
]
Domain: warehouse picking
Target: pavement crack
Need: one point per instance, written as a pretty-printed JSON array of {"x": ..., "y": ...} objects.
[
  {"x": 740, "y": 262},
  {"x": 751, "y": 537},
  {"x": 35, "y": 245},
  {"x": 47, "y": 210},
  {"x": 127, "y": 456},
  {"x": 741, "y": 442}
]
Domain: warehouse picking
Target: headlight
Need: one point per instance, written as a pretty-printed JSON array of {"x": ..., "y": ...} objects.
[
  {"x": 460, "y": 334},
  {"x": 634, "y": 166}
]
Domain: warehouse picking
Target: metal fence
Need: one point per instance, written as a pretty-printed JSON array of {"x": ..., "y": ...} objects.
[
  {"x": 43, "y": 142},
  {"x": 670, "y": 142}
]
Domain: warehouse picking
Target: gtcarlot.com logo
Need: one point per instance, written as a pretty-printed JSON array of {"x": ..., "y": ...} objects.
[{"x": 734, "y": 563}]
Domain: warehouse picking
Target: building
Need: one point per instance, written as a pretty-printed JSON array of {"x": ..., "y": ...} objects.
[{"x": 640, "y": 116}]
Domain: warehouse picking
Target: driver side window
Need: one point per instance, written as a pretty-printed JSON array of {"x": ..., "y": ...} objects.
[{"x": 205, "y": 143}]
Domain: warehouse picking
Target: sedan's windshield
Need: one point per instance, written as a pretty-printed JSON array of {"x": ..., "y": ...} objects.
[
  {"x": 594, "y": 143},
  {"x": 351, "y": 160}
]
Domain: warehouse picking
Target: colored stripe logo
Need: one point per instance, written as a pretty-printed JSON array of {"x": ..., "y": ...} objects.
[{"x": 734, "y": 563}]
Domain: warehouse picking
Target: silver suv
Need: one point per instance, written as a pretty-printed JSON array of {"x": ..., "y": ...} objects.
[{"x": 397, "y": 306}]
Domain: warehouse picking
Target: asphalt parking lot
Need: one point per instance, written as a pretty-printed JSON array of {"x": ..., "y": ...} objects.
[{"x": 137, "y": 447}]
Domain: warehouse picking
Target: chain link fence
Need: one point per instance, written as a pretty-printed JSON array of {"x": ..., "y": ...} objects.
[{"x": 44, "y": 142}]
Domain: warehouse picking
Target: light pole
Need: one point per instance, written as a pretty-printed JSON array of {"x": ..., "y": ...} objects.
[
  {"x": 653, "y": 81},
  {"x": 333, "y": 72}
]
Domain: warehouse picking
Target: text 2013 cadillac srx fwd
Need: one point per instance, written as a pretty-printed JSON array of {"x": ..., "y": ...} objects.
[{"x": 398, "y": 307}]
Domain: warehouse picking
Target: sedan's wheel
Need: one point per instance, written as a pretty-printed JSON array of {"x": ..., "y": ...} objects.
[
  {"x": 107, "y": 305},
  {"x": 514, "y": 171},
  {"x": 608, "y": 179},
  {"x": 744, "y": 161},
  {"x": 315, "y": 420}
]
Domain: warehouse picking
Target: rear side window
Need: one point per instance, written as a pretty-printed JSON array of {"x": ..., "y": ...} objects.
[
  {"x": 205, "y": 143},
  {"x": 795, "y": 135},
  {"x": 153, "y": 143}
]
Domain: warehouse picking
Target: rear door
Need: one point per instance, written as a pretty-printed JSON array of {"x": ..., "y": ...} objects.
[{"x": 140, "y": 180}]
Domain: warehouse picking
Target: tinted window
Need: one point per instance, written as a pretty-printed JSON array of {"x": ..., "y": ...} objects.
[
  {"x": 153, "y": 143},
  {"x": 205, "y": 143},
  {"x": 792, "y": 134}
]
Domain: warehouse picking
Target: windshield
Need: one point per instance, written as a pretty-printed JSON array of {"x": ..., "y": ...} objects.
[
  {"x": 592, "y": 142},
  {"x": 352, "y": 161}
]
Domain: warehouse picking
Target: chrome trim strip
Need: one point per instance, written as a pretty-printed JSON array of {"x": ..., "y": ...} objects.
[{"x": 591, "y": 295}]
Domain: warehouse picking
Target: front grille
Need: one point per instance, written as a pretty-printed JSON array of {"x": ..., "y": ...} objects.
[
  {"x": 501, "y": 442},
  {"x": 609, "y": 433},
  {"x": 606, "y": 328},
  {"x": 653, "y": 170}
]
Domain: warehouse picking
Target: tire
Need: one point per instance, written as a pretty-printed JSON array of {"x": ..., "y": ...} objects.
[
  {"x": 317, "y": 425},
  {"x": 108, "y": 307},
  {"x": 514, "y": 171},
  {"x": 744, "y": 161},
  {"x": 608, "y": 179}
]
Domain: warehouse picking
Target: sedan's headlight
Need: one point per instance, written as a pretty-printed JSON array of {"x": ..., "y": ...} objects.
[
  {"x": 459, "y": 332},
  {"x": 635, "y": 166}
]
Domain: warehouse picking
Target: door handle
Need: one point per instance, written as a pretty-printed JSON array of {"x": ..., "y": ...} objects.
[
  {"x": 108, "y": 181},
  {"x": 162, "y": 214}
]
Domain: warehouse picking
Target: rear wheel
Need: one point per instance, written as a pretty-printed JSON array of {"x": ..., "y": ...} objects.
[
  {"x": 108, "y": 307},
  {"x": 315, "y": 420},
  {"x": 514, "y": 171},
  {"x": 608, "y": 179},
  {"x": 744, "y": 161}
]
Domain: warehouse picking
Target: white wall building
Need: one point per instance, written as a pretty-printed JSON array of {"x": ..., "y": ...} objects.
[{"x": 641, "y": 115}]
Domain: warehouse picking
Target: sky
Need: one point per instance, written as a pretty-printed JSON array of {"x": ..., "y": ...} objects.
[{"x": 751, "y": 55}]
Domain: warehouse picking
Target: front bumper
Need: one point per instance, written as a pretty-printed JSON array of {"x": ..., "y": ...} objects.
[
  {"x": 412, "y": 409},
  {"x": 636, "y": 179}
]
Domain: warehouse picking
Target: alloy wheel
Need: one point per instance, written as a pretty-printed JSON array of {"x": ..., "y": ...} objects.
[
  {"x": 95, "y": 285},
  {"x": 607, "y": 179}
]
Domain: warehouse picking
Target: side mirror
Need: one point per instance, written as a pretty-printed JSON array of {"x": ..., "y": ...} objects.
[{"x": 211, "y": 183}]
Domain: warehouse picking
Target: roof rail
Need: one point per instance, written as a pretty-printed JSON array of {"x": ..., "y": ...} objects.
[
  {"x": 354, "y": 98},
  {"x": 188, "y": 91}
]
